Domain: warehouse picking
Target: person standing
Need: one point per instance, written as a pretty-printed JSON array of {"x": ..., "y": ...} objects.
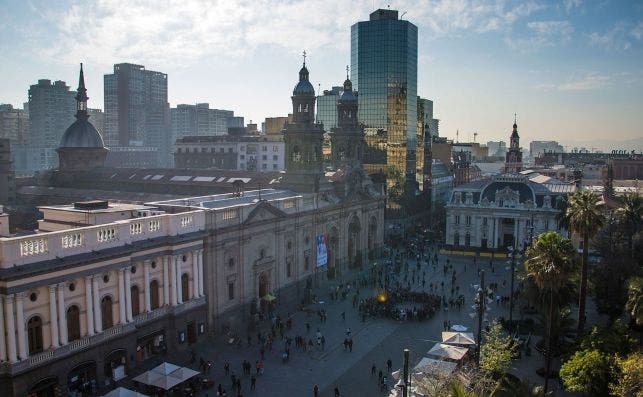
[
  {"x": 253, "y": 382},
  {"x": 315, "y": 391},
  {"x": 336, "y": 391},
  {"x": 389, "y": 364}
]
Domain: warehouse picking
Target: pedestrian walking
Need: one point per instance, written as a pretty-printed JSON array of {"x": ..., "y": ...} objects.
[
  {"x": 226, "y": 367},
  {"x": 253, "y": 382},
  {"x": 315, "y": 391},
  {"x": 389, "y": 365},
  {"x": 336, "y": 391},
  {"x": 373, "y": 369}
]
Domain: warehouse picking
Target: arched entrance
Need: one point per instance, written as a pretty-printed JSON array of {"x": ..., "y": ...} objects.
[
  {"x": 116, "y": 364},
  {"x": 333, "y": 250},
  {"x": 154, "y": 295},
  {"x": 354, "y": 246},
  {"x": 48, "y": 387},
  {"x": 82, "y": 379},
  {"x": 136, "y": 300},
  {"x": 106, "y": 312},
  {"x": 372, "y": 237},
  {"x": 185, "y": 287},
  {"x": 265, "y": 298}
]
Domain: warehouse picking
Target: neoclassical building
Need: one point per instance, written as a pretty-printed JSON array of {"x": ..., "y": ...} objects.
[
  {"x": 506, "y": 211},
  {"x": 102, "y": 287}
]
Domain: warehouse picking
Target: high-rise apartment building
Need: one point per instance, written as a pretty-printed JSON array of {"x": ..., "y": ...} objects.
[
  {"x": 200, "y": 120},
  {"x": 14, "y": 124},
  {"x": 327, "y": 107},
  {"x": 384, "y": 71},
  {"x": 537, "y": 148},
  {"x": 97, "y": 118},
  {"x": 51, "y": 111},
  {"x": 137, "y": 112},
  {"x": 275, "y": 125}
]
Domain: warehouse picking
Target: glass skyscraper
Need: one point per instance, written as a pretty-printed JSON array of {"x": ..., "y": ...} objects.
[{"x": 384, "y": 71}]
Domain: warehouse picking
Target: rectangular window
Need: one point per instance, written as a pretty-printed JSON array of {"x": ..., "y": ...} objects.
[
  {"x": 546, "y": 224},
  {"x": 468, "y": 220},
  {"x": 457, "y": 219},
  {"x": 264, "y": 148},
  {"x": 230, "y": 214},
  {"x": 484, "y": 221},
  {"x": 306, "y": 262},
  {"x": 264, "y": 166},
  {"x": 275, "y": 157},
  {"x": 231, "y": 290},
  {"x": 275, "y": 148},
  {"x": 288, "y": 268},
  {"x": 264, "y": 157}
]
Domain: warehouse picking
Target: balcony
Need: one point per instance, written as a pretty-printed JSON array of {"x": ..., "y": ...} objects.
[{"x": 114, "y": 332}]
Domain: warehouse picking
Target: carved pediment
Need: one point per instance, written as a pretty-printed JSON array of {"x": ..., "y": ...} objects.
[{"x": 263, "y": 212}]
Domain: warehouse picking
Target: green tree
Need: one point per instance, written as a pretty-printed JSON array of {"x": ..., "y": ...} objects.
[
  {"x": 629, "y": 381},
  {"x": 496, "y": 352},
  {"x": 634, "y": 304},
  {"x": 585, "y": 218},
  {"x": 587, "y": 371},
  {"x": 630, "y": 216},
  {"x": 609, "y": 283},
  {"x": 549, "y": 264},
  {"x": 612, "y": 339}
]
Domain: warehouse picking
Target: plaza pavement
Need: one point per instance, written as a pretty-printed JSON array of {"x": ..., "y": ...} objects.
[{"x": 375, "y": 341}]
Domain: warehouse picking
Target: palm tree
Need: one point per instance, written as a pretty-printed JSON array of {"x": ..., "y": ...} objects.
[
  {"x": 630, "y": 215},
  {"x": 549, "y": 264},
  {"x": 585, "y": 214},
  {"x": 634, "y": 304}
]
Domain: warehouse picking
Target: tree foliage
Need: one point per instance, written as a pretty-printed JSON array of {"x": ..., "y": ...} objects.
[
  {"x": 613, "y": 339},
  {"x": 587, "y": 371},
  {"x": 496, "y": 352},
  {"x": 629, "y": 382},
  {"x": 634, "y": 304}
]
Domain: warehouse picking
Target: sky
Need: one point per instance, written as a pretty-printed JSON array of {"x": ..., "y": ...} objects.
[{"x": 572, "y": 70}]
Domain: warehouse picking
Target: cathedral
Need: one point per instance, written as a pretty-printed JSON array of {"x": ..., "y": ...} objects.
[{"x": 107, "y": 288}]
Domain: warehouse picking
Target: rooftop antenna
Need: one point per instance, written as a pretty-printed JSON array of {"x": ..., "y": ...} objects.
[
  {"x": 402, "y": 14},
  {"x": 457, "y": 134},
  {"x": 346, "y": 72},
  {"x": 475, "y": 135},
  {"x": 515, "y": 118}
]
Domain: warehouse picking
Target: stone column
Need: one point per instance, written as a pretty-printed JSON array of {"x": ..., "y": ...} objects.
[
  {"x": 11, "y": 329},
  {"x": 3, "y": 342},
  {"x": 200, "y": 268},
  {"x": 89, "y": 305},
  {"x": 195, "y": 274},
  {"x": 146, "y": 288},
  {"x": 128, "y": 294},
  {"x": 122, "y": 304},
  {"x": 53, "y": 315},
  {"x": 98, "y": 318},
  {"x": 20, "y": 325},
  {"x": 62, "y": 315},
  {"x": 173, "y": 279},
  {"x": 179, "y": 289},
  {"x": 166, "y": 280}
]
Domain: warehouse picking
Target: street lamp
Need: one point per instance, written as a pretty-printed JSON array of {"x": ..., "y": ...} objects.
[
  {"x": 480, "y": 306},
  {"x": 513, "y": 252}
]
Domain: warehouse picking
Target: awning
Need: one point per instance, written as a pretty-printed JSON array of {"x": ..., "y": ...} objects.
[
  {"x": 458, "y": 338},
  {"x": 123, "y": 392},
  {"x": 449, "y": 352},
  {"x": 268, "y": 298},
  {"x": 435, "y": 367},
  {"x": 458, "y": 328},
  {"x": 166, "y": 376}
]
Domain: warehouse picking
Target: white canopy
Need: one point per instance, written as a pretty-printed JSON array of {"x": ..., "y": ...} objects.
[
  {"x": 435, "y": 367},
  {"x": 123, "y": 392},
  {"x": 458, "y": 338},
  {"x": 166, "y": 376},
  {"x": 449, "y": 352},
  {"x": 458, "y": 328}
]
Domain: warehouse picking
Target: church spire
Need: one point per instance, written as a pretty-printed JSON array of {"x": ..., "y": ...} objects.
[{"x": 81, "y": 97}]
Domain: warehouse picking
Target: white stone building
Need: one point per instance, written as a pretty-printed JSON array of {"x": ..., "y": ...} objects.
[{"x": 504, "y": 211}]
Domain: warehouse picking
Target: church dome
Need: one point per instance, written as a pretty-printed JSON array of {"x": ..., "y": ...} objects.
[
  {"x": 348, "y": 95},
  {"x": 82, "y": 134},
  {"x": 303, "y": 87}
]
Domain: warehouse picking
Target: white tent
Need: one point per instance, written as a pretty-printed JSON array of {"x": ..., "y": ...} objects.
[
  {"x": 449, "y": 352},
  {"x": 166, "y": 376},
  {"x": 458, "y": 338},
  {"x": 435, "y": 367},
  {"x": 123, "y": 392},
  {"x": 458, "y": 328}
]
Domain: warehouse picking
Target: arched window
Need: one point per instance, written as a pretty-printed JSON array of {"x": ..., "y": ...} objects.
[
  {"x": 106, "y": 311},
  {"x": 73, "y": 323},
  {"x": 136, "y": 304},
  {"x": 154, "y": 294},
  {"x": 185, "y": 287},
  {"x": 34, "y": 334}
]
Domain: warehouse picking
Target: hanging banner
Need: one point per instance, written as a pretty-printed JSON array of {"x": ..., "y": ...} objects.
[{"x": 322, "y": 250}]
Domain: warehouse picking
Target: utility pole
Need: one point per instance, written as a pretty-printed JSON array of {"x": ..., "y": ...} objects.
[
  {"x": 406, "y": 386},
  {"x": 511, "y": 297},
  {"x": 481, "y": 298}
]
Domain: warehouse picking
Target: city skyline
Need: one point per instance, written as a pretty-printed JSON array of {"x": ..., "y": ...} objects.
[{"x": 571, "y": 70}]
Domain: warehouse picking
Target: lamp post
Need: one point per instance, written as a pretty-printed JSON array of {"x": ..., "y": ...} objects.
[
  {"x": 480, "y": 305},
  {"x": 405, "y": 380},
  {"x": 512, "y": 251}
]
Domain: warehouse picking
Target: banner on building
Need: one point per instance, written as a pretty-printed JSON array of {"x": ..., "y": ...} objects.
[{"x": 322, "y": 250}]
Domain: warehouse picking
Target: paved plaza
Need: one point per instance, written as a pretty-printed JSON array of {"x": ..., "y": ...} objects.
[{"x": 375, "y": 340}]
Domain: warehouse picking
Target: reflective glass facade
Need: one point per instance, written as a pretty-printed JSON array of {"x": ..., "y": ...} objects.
[
  {"x": 327, "y": 107},
  {"x": 384, "y": 72}
]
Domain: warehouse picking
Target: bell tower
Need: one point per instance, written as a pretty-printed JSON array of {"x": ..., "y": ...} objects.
[
  {"x": 513, "y": 161},
  {"x": 303, "y": 139},
  {"x": 347, "y": 139}
]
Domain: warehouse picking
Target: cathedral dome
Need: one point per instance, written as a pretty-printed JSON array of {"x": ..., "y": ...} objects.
[
  {"x": 348, "y": 95},
  {"x": 82, "y": 134},
  {"x": 303, "y": 87}
]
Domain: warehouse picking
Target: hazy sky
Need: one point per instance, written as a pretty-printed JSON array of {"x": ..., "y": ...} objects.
[{"x": 572, "y": 69}]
